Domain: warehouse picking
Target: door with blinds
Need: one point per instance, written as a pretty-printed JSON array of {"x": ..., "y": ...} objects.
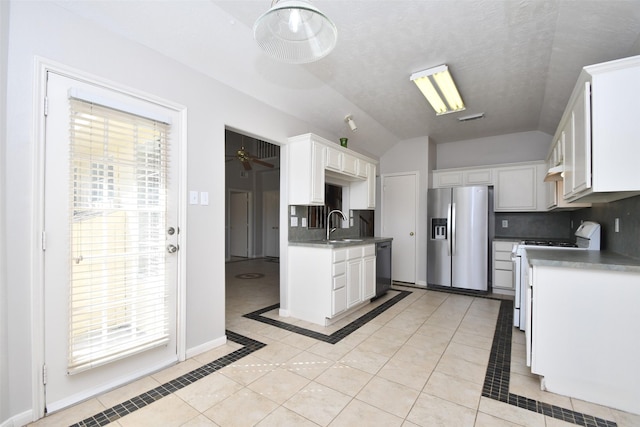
[{"x": 110, "y": 239}]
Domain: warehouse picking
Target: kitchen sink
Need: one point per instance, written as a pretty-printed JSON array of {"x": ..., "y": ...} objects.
[{"x": 344, "y": 240}]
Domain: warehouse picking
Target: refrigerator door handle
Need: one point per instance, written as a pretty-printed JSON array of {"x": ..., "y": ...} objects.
[
  {"x": 453, "y": 229},
  {"x": 449, "y": 230}
]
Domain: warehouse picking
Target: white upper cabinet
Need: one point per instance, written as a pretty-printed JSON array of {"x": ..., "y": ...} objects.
[
  {"x": 311, "y": 158},
  {"x": 306, "y": 172},
  {"x": 518, "y": 187},
  {"x": 601, "y": 131}
]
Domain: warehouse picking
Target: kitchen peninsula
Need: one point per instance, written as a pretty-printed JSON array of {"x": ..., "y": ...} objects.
[
  {"x": 584, "y": 327},
  {"x": 330, "y": 278}
]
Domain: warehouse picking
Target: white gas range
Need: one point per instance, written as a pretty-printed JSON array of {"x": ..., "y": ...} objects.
[{"x": 587, "y": 238}]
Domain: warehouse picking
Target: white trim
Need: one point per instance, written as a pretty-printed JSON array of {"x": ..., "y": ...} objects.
[
  {"x": 202, "y": 348},
  {"x": 41, "y": 67},
  {"x": 21, "y": 419}
]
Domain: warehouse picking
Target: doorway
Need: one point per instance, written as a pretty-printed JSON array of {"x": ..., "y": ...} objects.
[{"x": 252, "y": 184}]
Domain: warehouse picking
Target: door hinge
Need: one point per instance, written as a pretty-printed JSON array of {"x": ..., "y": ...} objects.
[
  {"x": 46, "y": 106},
  {"x": 44, "y": 374},
  {"x": 44, "y": 240}
]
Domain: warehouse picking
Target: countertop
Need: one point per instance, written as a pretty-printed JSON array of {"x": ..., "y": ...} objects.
[
  {"x": 582, "y": 259},
  {"x": 357, "y": 241}
]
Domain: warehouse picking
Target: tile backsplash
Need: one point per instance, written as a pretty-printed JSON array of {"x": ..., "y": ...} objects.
[
  {"x": 363, "y": 226},
  {"x": 627, "y": 240},
  {"x": 533, "y": 225}
]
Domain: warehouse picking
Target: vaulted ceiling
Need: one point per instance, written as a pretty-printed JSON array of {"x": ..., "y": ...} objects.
[{"x": 516, "y": 61}]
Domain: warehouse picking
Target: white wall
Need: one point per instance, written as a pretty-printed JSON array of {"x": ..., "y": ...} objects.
[
  {"x": 408, "y": 156},
  {"x": 4, "y": 355},
  {"x": 47, "y": 30},
  {"x": 511, "y": 148}
]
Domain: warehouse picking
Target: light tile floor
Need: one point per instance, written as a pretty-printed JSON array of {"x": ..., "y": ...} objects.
[{"x": 422, "y": 362}]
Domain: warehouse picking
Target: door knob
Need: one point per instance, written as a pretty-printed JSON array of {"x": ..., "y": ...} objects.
[
  {"x": 172, "y": 249},
  {"x": 411, "y": 234},
  {"x": 171, "y": 231}
]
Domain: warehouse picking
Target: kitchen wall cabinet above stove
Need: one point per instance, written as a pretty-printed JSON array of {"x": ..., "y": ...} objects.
[
  {"x": 597, "y": 140},
  {"x": 312, "y": 158}
]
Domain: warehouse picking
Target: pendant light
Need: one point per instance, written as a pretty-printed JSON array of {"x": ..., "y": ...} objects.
[{"x": 295, "y": 32}]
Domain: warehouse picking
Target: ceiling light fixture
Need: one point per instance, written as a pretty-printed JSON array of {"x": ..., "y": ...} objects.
[
  {"x": 295, "y": 32},
  {"x": 351, "y": 123},
  {"x": 440, "y": 78}
]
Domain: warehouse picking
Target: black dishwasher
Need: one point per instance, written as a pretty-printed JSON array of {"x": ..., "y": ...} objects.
[{"x": 383, "y": 267}]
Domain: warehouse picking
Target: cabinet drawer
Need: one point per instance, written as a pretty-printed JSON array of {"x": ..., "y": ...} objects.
[
  {"x": 369, "y": 250},
  {"x": 339, "y": 255},
  {"x": 339, "y": 282},
  {"x": 504, "y": 246},
  {"x": 353, "y": 253},
  {"x": 339, "y": 269},
  {"x": 502, "y": 256},
  {"x": 503, "y": 265},
  {"x": 503, "y": 279}
]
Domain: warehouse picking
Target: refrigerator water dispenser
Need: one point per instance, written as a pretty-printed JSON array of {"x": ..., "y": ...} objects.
[{"x": 438, "y": 228}]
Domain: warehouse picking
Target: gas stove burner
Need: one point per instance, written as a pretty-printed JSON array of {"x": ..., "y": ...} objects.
[{"x": 549, "y": 243}]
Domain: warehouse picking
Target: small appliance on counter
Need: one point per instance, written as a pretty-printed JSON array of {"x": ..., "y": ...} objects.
[{"x": 587, "y": 238}]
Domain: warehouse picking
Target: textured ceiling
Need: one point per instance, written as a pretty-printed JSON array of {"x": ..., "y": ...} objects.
[{"x": 515, "y": 61}]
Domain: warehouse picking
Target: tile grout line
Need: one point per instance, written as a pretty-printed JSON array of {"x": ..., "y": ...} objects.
[{"x": 496, "y": 385}]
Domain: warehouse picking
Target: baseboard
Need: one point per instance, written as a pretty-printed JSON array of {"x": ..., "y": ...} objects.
[
  {"x": 284, "y": 313},
  {"x": 18, "y": 420},
  {"x": 194, "y": 351}
]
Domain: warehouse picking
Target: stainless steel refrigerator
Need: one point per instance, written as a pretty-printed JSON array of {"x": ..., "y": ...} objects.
[{"x": 458, "y": 246}]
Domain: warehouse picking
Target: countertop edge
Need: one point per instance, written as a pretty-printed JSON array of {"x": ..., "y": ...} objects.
[
  {"x": 326, "y": 244},
  {"x": 579, "y": 259}
]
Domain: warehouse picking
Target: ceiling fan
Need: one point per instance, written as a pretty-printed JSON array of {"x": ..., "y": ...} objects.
[{"x": 246, "y": 158}]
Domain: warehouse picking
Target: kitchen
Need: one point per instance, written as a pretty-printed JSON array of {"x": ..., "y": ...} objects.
[{"x": 35, "y": 34}]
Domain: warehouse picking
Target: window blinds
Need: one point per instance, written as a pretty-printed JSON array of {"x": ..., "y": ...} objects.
[{"x": 118, "y": 202}]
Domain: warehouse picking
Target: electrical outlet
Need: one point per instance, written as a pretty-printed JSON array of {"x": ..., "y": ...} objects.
[
  {"x": 505, "y": 223},
  {"x": 616, "y": 225}
]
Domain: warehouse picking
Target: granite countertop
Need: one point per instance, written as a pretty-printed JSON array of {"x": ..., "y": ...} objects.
[
  {"x": 339, "y": 243},
  {"x": 582, "y": 259}
]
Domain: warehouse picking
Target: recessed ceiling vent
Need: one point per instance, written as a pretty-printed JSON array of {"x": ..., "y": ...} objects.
[{"x": 471, "y": 117}]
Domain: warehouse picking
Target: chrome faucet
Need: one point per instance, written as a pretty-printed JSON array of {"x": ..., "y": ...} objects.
[{"x": 331, "y": 230}]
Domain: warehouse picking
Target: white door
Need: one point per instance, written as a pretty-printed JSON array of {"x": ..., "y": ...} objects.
[
  {"x": 110, "y": 284},
  {"x": 271, "y": 201},
  {"x": 399, "y": 221},
  {"x": 239, "y": 224}
]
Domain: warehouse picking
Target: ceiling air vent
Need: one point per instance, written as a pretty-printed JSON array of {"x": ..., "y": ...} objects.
[{"x": 471, "y": 117}]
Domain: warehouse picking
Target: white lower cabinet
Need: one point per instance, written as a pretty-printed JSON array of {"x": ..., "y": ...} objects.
[
  {"x": 326, "y": 282},
  {"x": 502, "y": 282}
]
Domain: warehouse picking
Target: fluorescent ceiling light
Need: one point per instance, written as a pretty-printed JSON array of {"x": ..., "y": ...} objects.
[{"x": 436, "y": 83}]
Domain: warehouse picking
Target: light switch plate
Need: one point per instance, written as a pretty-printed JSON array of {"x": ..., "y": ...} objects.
[
  {"x": 294, "y": 221},
  {"x": 303, "y": 222},
  {"x": 293, "y": 210},
  {"x": 204, "y": 198},
  {"x": 193, "y": 197}
]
